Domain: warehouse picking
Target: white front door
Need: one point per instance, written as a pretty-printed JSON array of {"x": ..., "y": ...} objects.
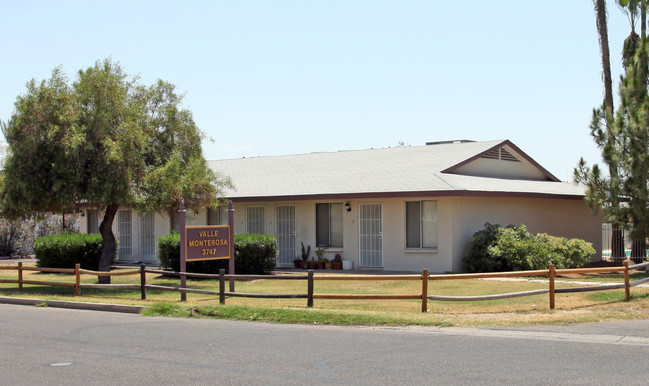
[
  {"x": 125, "y": 235},
  {"x": 147, "y": 238},
  {"x": 285, "y": 232},
  {"x": 371, "y": 235}
]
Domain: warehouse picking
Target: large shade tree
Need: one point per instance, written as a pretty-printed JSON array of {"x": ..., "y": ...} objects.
[{"x": 104, "y": 141}]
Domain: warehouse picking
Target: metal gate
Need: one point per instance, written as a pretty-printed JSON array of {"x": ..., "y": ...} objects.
[
  {"x": 147, "y": 237},
  {"x": 371, "y": 235},
  {"x": 285, "y": 232},
  {"x": 125, "y": 231}
]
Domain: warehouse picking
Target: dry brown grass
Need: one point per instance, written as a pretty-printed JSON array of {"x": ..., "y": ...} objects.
[{"x": 570, "y": 308}]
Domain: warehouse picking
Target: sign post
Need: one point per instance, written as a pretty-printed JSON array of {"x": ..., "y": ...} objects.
[
  {"x": 183, "y": 258},
  {"x": 209, "y": 242},
  {"x": 231, "y": 225}
]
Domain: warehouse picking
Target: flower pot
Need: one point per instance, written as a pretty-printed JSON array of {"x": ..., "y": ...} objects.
[
  {"x": 313, "y": 264},
  {"x": 328, "y": 265},
  {"x": 297, "y": 263},
  {"x": 337, "y": 265},
  {"x": 304, "y": 264}
]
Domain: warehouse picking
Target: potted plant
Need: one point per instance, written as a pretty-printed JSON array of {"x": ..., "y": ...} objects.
[
  {"x": 305, "y": 256},
  {"x": 321, "y": 259},
  {"x": 327, "y": 263},
  {"x": 297, "y": 263},
  {"x": 338, "y": 262}
]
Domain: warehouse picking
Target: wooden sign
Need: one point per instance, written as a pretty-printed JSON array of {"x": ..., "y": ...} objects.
[{"x": 207, "y": 242}]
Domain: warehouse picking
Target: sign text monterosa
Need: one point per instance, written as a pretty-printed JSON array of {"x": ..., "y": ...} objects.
[{"x": 207, "y": 242}]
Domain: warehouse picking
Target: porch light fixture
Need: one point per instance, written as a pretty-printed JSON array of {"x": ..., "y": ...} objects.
[{"x": 348, "y": 207}]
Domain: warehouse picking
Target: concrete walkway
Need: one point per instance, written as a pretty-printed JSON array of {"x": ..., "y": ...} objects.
[{"x": 9, "y": 260}]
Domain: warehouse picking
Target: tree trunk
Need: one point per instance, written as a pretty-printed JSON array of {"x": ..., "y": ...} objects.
[
  {"x": 617, "y": 243},
  {"x": 602, "y": 31},
  {"x": 643, "y": 20},
  {"x": 638, "y": 251},
  {"x": 638, "y": 247},
  {"x": 108, "y": 238}
]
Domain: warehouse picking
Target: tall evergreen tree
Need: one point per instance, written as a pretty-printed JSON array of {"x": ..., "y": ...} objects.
[
  {"x": 605, "y": 113},
  {"x": 623, "y": 195}
]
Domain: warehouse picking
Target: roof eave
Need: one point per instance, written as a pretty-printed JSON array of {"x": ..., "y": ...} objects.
[{"x": 409, "y": 194}]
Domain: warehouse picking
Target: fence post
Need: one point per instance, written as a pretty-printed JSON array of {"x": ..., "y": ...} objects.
[
  {"x": 309, "y": 302},
  {"x": 424, "y": 291},
  {"x": 221, "y": 286},
  {"x": 142, "y": 282},
  {"x": 20, "y": 277},
  {"x": 77, "y": 284},
  {"x": 551, "y": 273},
  {"x": 627, "y": 287}
]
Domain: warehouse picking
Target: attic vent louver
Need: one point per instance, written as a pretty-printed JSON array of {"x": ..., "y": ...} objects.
[{"x": 500, "y": 154}]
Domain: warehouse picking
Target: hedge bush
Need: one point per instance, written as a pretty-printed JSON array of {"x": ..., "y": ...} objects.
[
  {"x": 169, "y": 251},
  {"x": 514, "y": 248},
  {"x": 65, "y": 250},
  {"x": 253, "y": 254}
]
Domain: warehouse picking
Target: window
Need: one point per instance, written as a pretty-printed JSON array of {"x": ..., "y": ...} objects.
[
  {"x": 218, "y": 216},
  {"x": 329, "y": 225},
  {"x": 256, "y": 219},
  {"x": 174, "y": 221},
  {"x": 421, "y": 224}
]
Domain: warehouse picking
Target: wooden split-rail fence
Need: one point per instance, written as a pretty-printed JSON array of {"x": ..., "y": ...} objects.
[{"x": 310, "y": 278}]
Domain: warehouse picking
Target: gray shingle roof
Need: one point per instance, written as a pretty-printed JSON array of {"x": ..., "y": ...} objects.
[{"x": 390, "y": 171}]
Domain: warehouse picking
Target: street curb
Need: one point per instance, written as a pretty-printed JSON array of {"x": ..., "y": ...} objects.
[{"x": 74, "y": 305}]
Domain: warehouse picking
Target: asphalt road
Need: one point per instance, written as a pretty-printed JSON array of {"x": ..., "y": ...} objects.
[{"x": 49, "y": 346}]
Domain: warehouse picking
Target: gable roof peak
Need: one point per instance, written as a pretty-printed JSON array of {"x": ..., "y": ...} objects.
[{"x": 503, "y": 150}]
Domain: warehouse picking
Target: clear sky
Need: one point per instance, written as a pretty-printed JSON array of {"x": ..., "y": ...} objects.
[{"x": 287, "y": 77}]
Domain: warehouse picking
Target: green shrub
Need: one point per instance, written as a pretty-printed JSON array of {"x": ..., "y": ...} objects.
[
  {"x": 253, "y": 254},
  {"x": 169, "y": 251},
  {"x": 65, "y": 250},
  {"x": 514, "y": 248},
  {"x": 575, "y": 252},
  {"x": 476, "y": 259},
  {"x": 520, "y": 250}
]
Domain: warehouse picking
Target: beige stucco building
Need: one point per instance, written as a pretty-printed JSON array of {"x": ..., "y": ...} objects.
[{"x": 403, "y": 208}]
